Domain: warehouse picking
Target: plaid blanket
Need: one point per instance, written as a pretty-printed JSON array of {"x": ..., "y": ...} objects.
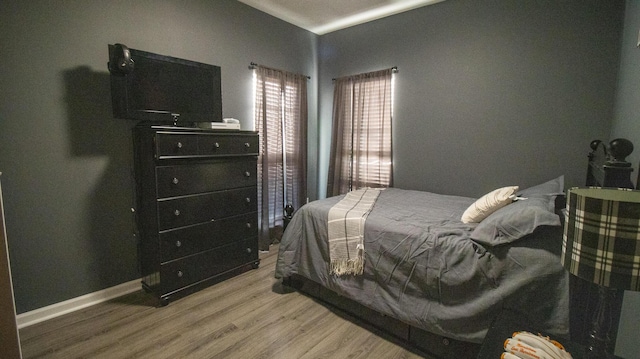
[{"x": 346, "y": 231}]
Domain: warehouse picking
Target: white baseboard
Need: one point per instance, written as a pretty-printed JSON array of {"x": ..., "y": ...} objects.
[{"x": 55, "y": 310}]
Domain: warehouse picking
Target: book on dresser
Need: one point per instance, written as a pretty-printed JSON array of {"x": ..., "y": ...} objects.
[{"x": 196, "y": 207}]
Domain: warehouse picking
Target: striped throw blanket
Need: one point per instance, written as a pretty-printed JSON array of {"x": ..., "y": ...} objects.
[{"x": 346, "y": 231}]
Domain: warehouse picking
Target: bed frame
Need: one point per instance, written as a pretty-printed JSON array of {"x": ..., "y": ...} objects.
[
  {"x": 607, "y": 164},
  {"x": 415, "y": 339},
  {"x": 607, "y": 167}
]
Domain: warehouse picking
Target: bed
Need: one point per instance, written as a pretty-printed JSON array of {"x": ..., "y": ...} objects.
[
  {"x": 440, "y": 290},
  {"x": 431, "y": 280}
]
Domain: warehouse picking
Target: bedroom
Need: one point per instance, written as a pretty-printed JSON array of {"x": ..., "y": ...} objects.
[{"x": 542, "y": 78}]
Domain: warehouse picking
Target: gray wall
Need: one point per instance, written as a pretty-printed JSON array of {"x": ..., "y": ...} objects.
[
  {"x": 488, "y": 93},
  {"x": 66, "y": 162},
  {"x": 626, "y": 124}
]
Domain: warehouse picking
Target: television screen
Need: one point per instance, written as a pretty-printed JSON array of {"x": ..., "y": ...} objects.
[{"x": 163, "y": 89}]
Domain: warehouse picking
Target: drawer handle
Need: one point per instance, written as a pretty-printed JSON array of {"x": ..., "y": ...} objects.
[
  {"x": 178, "y": 244},
  {"x": 174, "y": 180},
  {"x": 179, "y": 145},
  {"x": 248, "y": 250},
  {"x": 248, "y": 225},
  {"x": 179, "y": 274},
  {"x": 248, "y": 200},
  {"x": 247, "y": 144},
  {"x": 216, "y": 145},
  {"x": 247, "y": 174},
  {"x": 176, "y": 212}
]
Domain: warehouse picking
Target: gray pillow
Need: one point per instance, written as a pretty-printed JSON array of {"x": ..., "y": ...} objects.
[
  {"x": 517, "y": 220},
  {"x": 553, "y": 187}
]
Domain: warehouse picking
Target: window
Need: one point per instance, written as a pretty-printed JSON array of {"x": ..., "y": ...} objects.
[
  {"x": 281, "y": 121},
  {"x": 361, "y": 154}
]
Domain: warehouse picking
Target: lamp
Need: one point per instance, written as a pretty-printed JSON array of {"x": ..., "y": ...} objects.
[{"x": 601, "y": 244}]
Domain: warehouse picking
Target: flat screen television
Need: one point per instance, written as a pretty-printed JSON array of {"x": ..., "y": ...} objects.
[{"x": 163, "y": 89}]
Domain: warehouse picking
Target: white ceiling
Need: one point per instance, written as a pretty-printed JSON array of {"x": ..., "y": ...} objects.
[{"x": 324, "y": 16}]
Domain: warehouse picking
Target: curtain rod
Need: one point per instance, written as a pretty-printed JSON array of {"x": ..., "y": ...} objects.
[
  {"x": 253, "y": 65},
  {"x": 394, "y": 69}
]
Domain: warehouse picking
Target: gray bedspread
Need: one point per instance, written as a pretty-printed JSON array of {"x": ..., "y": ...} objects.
[{"x": 422, "y": 268}]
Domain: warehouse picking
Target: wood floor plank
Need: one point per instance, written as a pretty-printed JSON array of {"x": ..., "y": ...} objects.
[
  {"x": 270, "y": 331},
  {"x": 288, "y": 340},
  {"x": 248, "y": 316}
]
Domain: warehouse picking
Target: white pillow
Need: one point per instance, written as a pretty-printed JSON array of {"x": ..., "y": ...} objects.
[{"x": 488, "y": 204}]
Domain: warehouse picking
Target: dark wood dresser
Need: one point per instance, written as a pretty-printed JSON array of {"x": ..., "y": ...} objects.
[{"x": 196, "y": 193}]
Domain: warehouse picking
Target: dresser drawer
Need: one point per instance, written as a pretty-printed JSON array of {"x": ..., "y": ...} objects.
[
  {"x": 220, "y": 144},
  {"x": 176, "y": 145},
  {"x": 185, "y": 241},
  {"x": 207, "y": 177},
  {"x": 189, "y": 270},
  {"x": 193, "y": 144},
  {"x": 193, "y": 209}
]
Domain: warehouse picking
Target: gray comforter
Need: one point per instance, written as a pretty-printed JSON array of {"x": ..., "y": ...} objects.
[{"x": 422, "y": 268}]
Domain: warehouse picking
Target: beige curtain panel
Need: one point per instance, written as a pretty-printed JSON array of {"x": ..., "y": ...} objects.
[
  {"x": 281, "y": 121},
  {"x": 361, "y": 149}
]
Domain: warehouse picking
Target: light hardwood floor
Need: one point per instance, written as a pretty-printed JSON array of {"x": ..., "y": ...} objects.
[{"x": 248, "y": 316}]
